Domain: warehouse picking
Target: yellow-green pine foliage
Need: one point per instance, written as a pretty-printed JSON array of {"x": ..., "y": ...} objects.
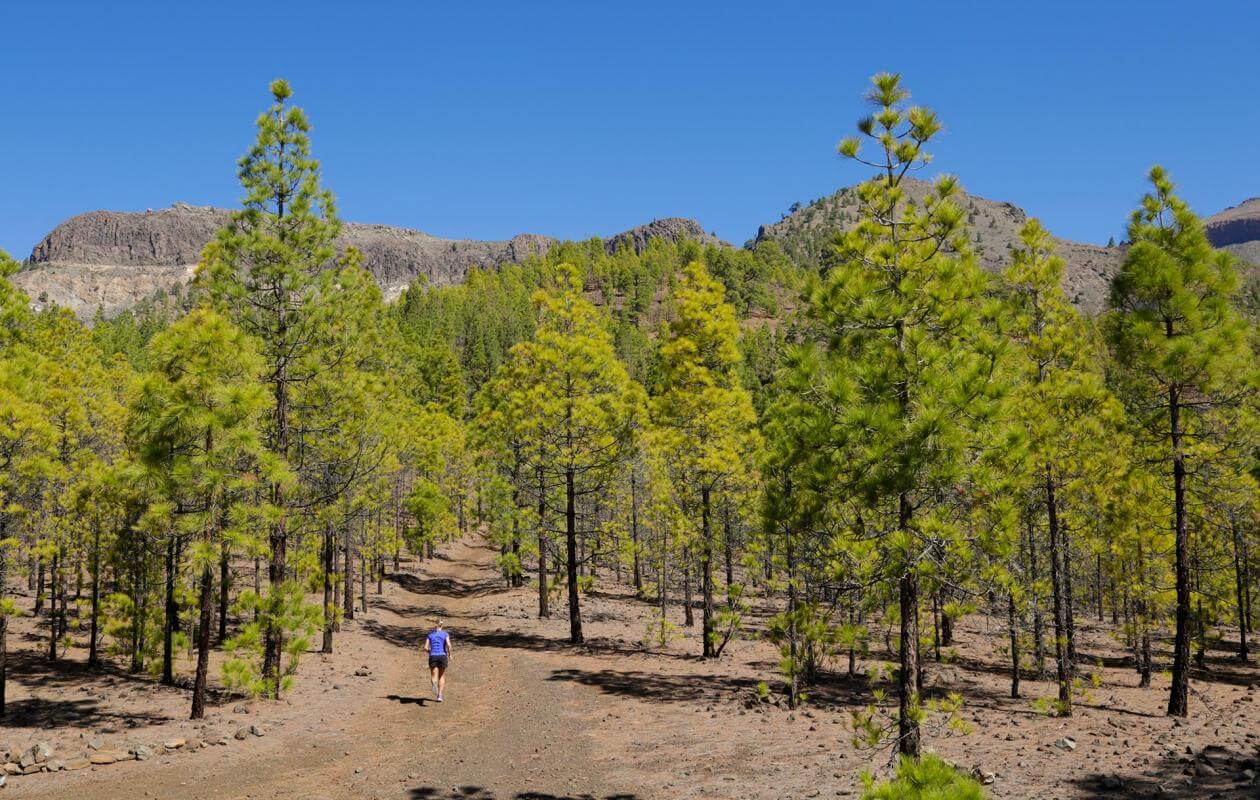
[{"x": 1183, "y": 351}]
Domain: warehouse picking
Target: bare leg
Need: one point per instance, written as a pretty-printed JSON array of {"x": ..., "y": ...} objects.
[
  {"x": 441, "y": 681},
  {"x": 433, "y": 678}
]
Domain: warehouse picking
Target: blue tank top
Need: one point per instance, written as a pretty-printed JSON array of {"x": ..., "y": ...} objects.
[{"x": 437, "y": 643}]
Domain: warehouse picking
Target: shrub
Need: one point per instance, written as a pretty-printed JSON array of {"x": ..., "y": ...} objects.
[{"x": 929, "y": 778}]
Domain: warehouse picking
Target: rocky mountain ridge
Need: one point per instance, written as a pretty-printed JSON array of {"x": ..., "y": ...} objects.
[
  {"x": 110, "y": 260},
  {"x": 805, "y": 233}
]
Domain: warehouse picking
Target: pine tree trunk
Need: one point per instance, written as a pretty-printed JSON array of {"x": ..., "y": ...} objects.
[
  {"x": 169, "y": 624},
  {"x": 52, "y": 605},
  {"x": 206, "y": 604},
  {"x": 347, "y": 576},
  {"x": 1178, "y": 696},
  {"x": 1063, "y": 668},
  {"x": 728, "y": 543},
  {"x": 543, "y": 610},
  {"x": 570, "y": 530},
  {"x": 1140, "y": 614},
  {"x": 330, "y": 610},
  {"x": 1069, "y": 598},
  {"x": 1240, "y": 590},
  {"x": 225, "y": 589},
  {"x": 1013, "y": 631},
  {"x": 94, "y": 632},
  {"x": 4, "y": 619},
  {"x": 908, "y": 736},
  {"x": 689, "y": 618},
  {"x": 39, "y": 587},
  {"x": 634, "y": 533},
  {"x": 706, "y": 565},
  {"x": 1098, "y": 585}
]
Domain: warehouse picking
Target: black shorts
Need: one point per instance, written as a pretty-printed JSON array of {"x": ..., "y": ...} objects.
[{"x": 438, "y": 661}]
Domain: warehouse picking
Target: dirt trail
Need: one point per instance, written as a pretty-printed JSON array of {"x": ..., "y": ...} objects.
[{"x": 506, "y": 731}]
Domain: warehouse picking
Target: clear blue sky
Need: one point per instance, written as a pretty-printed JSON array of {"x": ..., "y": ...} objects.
[{"x": 486, "y": 119}]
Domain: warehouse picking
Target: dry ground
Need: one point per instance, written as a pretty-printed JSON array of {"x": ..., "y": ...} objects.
[{"x": 530, "y": 717}]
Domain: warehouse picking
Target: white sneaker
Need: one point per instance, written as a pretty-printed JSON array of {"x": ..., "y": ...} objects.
[{"x": 440, "y": 698}]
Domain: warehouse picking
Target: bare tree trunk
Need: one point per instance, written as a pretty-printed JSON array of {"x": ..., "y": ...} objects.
[
  {"x": 1013, "y": 630},
  {"x": 330, "y": 610},
  {"x": 570, "y": 529},
  {"x": 94, "y": 634},
  {"x": 908, "y": 736},
  {"x": 206, "y": 603},
  {"x": 1178, "y": 695},
  {"x": 171, "y": 623},
  {"x": 1064, "y": 671},
  {"x": 706, "y": 576}
]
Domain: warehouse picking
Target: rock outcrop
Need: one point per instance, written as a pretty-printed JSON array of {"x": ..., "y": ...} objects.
[
  {"x": 111, "y": 260},
  {"x": 994, "y": 228},
  {"x": 1237, "y": 229}
]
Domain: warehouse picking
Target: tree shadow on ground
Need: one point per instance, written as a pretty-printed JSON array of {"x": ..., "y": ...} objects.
[
  {"x": 656, "y": 686},
  {"x": 1167, "y": 779},
  {"x": 36, "y": 712},
  {"x": 447, "y": 587},
  {"x": 478, "y": 793},
  {"x": 596, "y": 645}
]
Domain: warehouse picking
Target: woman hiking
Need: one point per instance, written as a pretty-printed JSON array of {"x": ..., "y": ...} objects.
[{"x": 438, "y": 646}]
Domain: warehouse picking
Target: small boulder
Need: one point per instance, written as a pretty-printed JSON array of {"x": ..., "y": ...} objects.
[
  {"x": 257, "y": 730},
  {"x": 142, "y": 752},
  {"x": 174, "y": 744},
  {"x": 1067, "y": 743},
  {"x": 77, "y": 764},
  {"x": 55, "y": 765},
  {"x": 43, "y": 751},
  {"x": 242, "y": 733}
]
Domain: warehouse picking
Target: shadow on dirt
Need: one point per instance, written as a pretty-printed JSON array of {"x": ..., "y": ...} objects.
[
  {"x": 409, "y": 701},
  {"x": 1215, "y": 772},
  {"x": 447, "y": 587},
  {"x": 655, "y": 686},
  {"x": 478, "y": 793}
]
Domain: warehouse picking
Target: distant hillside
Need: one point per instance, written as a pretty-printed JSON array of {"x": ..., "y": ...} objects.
[
  {"x": 805, "y": 233},
  {"x": 111, "y": 260}
]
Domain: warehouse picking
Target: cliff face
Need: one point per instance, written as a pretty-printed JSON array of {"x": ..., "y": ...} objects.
[
  {"x": 1237, "y": 229},
  {"x": 994, "y": 228},
  {"x": 111, "y": 260}
]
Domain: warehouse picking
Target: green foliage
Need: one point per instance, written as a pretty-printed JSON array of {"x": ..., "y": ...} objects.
[
  {"x": 927, "y": 778},
  {"x": 284, "y": 609}
]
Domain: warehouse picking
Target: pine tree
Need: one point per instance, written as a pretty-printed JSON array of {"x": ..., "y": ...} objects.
[
  {"x": 905, "y": 366},
  {"x": 1060, "y": 408},
  {"x": 1176, "y": 330},
  {"x": 268, "y": 270},
  {"x": 573, "y": 405},
  {"x": 195, "y": 424},
  {"x": 703, "y": 416}
]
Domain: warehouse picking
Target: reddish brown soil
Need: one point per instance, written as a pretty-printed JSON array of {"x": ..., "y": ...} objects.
[{"x": 528, "y": 716}]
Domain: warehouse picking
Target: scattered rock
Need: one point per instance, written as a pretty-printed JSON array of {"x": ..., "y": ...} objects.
[
  {"x": 102, "y": 757},
  {"x": 983, "y": 775},
  {"x": 175, "y": 744},
  {"x": 142, "y": 753},
  {"x": 95, "y": 743},
  {"x": 55, "y": 765},
  {"x": 77, "y": 764},
  {"x": 242, "y": 733},
  {"x": 1066, "y": 743},
  {"x": 257, "y": 730},
  {"x": 1202, "y": 769}
]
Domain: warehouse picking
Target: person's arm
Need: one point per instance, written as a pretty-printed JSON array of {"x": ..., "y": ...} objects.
[
  {"x": 426, "y": 644},
  {"x": 448, "y": 645}
]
